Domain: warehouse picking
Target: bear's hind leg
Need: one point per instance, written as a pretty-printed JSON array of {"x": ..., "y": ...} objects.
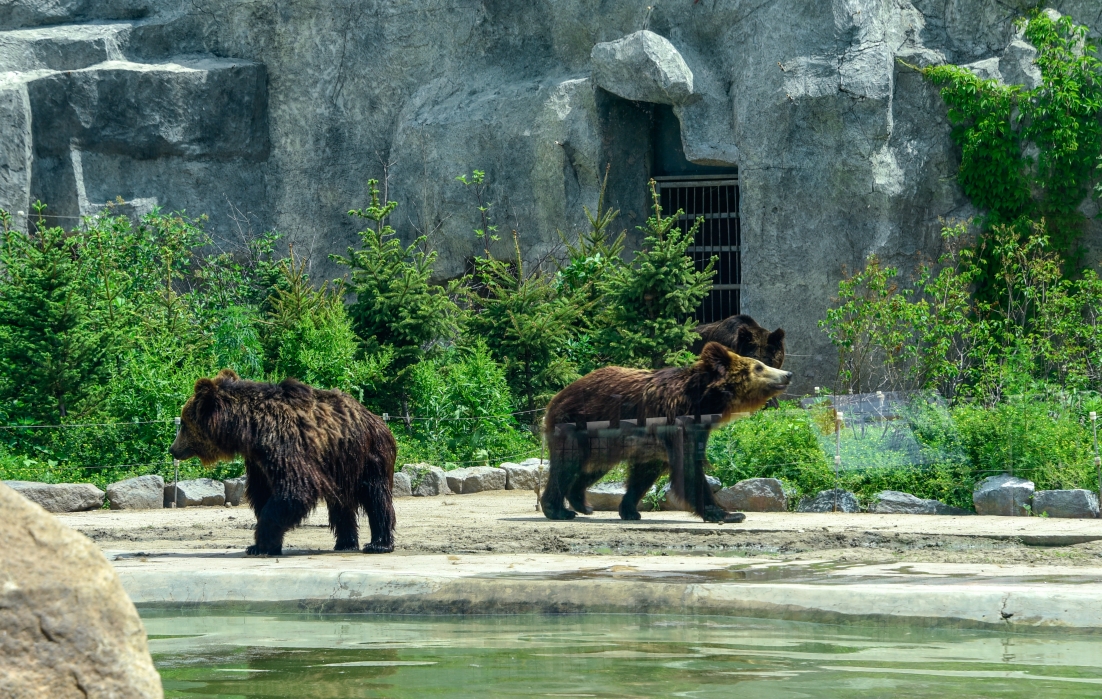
[
  {"x": 576, "y": 495},
  {"x": 376, "y": 499},
  {"x": 342, "y": 521},
  {"x": 640, "y": 479},
  {"x": 278, "y": 516}
]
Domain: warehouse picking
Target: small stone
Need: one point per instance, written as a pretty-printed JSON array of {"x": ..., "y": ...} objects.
[
  {"x": 198, "y": 492},
  {"x": 1072, "y": 504},
  {"x": 235, "y": 490},
  {"x": 827, "y": 500},
  {"x": 526, "y": 475},
  {"x": 60, "y": 497},
  {"x": 605, "y": 497},
  {"x": 1003, "y": 495},
  {"x": 754, "y": 495},
  {"x": 427, "y": 480},
  {"x": 402, "y": 485},
  {"x": 141, "y": 493},
  {"x": 475, "y": 479}
]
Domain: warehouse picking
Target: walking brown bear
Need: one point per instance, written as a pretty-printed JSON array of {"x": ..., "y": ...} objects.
[
  {"x": 300, "y": 445},
  {"x": 719, "y": 382}
]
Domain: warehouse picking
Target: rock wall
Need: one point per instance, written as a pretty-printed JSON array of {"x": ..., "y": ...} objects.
[{"x": 274, "y": 116}]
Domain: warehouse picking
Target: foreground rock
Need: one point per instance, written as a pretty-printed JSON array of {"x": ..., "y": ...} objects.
[
  {"x": 836, "y": 500},
  {"x": 475, "y": 479},
  {"x": 893, "y": 502},
  {"x": 1003, "y": 495},
  {"x": 1072, "y": 504},
  {"x": 527, "y": 475},
  {"x": 605, "y": 497},
  {"x": 199, "y": 492},
  {"x": 67, "y": 628},
  {"x": 403, "y": 487},
  {"x": 427, "y": 480},
  {"x": 60, "y": 497},
  {"x": 754, "y": 495},
  {"x": 141, "y": 493},
  {"x": 235, "y": 490}
]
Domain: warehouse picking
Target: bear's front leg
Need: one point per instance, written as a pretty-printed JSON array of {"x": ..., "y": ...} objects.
[{"x": 279, "y": 515}]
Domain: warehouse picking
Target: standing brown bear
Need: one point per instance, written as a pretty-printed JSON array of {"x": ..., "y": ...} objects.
[
  {"x": 300, "y": 445},
  {"x": 719, "y": 382},
  {"x": 742, "y": 335}
]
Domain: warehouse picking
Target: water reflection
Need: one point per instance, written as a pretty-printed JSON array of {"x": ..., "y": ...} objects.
[{"x": 246, "y": 656}]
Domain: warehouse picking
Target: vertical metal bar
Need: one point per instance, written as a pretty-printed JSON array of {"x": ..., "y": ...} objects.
[
  {"x": 837, "y": 457},
  {"x": 1097, "y": 459},
  {"x": 176, "y": 466}
]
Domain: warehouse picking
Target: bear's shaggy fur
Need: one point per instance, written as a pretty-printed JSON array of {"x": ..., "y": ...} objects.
[
  {"x": 300, "y": 445},
  {"x": 719, "y": 382},
  {"x": 742, "y": 335}
]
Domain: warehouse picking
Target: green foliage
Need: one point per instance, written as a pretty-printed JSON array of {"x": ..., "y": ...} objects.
[
  {"x": 1031, "y": 154},
  {"x": 397, "y": 309},
  {"x": 646, "y": 320}
]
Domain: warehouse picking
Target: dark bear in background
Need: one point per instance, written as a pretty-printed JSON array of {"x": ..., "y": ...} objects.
[
  {"x": 719, "y": 382},
  {"x": 300, "y": 445},
  {"x": 743, "y": 336}
]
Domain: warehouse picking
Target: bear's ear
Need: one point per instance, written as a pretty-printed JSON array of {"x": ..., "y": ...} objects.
[
  {"x": 716, "y": 359},
  {"x": 204, "y": 388},
  {"x": 744, "y": 338},
  {"x": 776, "y": 338},
  {"x": 206, "y": 399},
  {"x": 227, "y": 375}
]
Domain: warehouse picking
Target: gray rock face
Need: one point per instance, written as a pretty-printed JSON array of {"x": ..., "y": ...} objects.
[
  {"x": 60, "y": 497},
  {"x": 67, "y": 627},
  {"x": 605, "y": 497},
  {"x": 830, "y": 501},
  {"x": 402, "y": 485},
  {"x": 235, "y": 490},
  {"x": 893, "y": 502},
  {"x": 642, "y": 67},
  {"x": 199, "y": 492},
  {"x": 427, "y": 480},
  {"x": 233, "y": 107},
  {"x": 526, "y": 475},
  {"x": 141, "y": 493},
  {"x": 475, "y": 479},
  {"x": 1075, "y": 504},
  {"x": 754, "y": 495},
  {"x": 1003, "y": 495}
]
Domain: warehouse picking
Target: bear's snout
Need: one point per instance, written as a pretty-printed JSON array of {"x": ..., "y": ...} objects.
[{"x": 179, "y": 450}]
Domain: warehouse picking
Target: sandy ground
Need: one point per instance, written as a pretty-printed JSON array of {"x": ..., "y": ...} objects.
[{"x": 506, "y": 522}]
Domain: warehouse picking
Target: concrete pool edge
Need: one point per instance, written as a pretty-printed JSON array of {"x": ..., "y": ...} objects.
[{"x": 1016, "y": 605}]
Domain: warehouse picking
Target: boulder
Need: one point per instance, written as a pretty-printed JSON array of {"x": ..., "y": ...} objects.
[
  {"x": 642, "y": 67},
  {"x": 893, "y": 502},
  {"x": 526, "y": 475},
  {"x": 402, "y": 485},
  {"x": 754, "y": 495},
  {"x": 60, "y": 497},
  {"x": 605, "y": 497},
  {"x": 1074, "y": 504},
  {"x": 141, "y": 493},
  {"x": 1003, "y": 495},
  {"x": 67, "y": 627},
  {"x": 198, "y": 492},
  {"x": 427, "y": 480},
  {"x": 235, "y": 490},
  {"x": 828, "y": 500},
  {"x": 475, "y": 479}
]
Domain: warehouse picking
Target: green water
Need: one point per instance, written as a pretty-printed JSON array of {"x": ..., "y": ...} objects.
[{"x": 606, "y": 656}]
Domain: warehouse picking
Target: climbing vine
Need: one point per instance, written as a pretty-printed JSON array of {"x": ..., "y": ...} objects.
[{"x": 1032, "y": 154}]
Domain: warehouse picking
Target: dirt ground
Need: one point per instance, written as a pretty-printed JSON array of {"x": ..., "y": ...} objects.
[{"x": 507, "y": 522}]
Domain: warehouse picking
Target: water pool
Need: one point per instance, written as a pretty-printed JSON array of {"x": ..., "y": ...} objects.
[{"x": 246, "y": 656}]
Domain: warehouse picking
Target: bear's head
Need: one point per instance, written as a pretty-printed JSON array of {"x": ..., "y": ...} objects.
[
  {"x": 746, "y": 383},
  {"x": 202, "y": 421},
  {"x": 758, "y": 343}
]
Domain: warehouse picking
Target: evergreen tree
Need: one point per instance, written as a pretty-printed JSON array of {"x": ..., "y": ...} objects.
[
  {"x": 56, "y": 342},
  {"x": 648, "y": 304}
]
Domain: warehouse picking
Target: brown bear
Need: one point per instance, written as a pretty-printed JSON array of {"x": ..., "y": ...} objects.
[
  {"x": 742, "y": 335},
  {"x": 300, "y": 445},
  {"x": 719, "y": 382}
]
